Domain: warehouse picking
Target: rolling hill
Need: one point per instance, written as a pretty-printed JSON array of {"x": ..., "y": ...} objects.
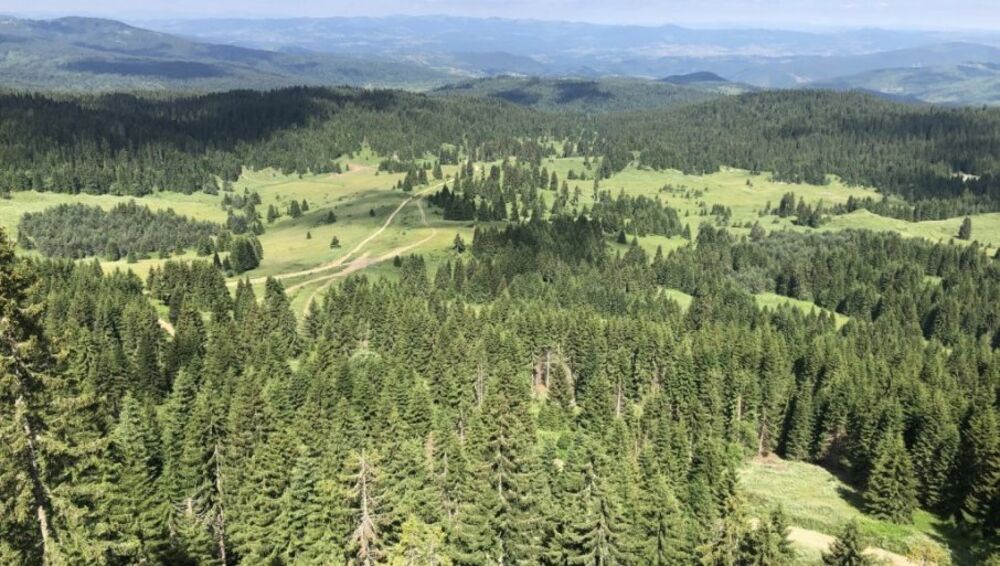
[
  {"x": 968, "y": 83},
  {"x": 590, "y": 95},
  {"x": 79, "y": 54}
]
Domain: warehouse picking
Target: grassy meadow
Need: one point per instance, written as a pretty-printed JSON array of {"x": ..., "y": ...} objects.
[
  {"x": 816, "y": 503},
  {"x": 363, "y": 199}
]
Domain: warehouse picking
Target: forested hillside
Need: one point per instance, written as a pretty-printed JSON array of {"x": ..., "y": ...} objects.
[
  {"x": 537, "y": 384},
  {"x": 574, "y": 412},
  {"x": 121, "y": 144},
  {"x": 919, "y": 152},
  {"x": 590, "y": 95}
]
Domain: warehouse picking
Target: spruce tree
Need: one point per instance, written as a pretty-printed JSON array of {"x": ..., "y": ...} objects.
[
  {"x": 965, "y": 230},
  {"x": 419, "y": 543},
  {"x": 504, "y": 439},
  {"x": 596, "y": 534},
  {"x": 767, "y": 544},
  {"x": 799, "y": 436},
  {"x": 981, "y": 468},
  {"x": 847, "y": 549},
  {"x": 935, "y": 452},
  {"x": 202, "y": 477},
  {"x": 308, "y": 510},
  {"x": 891, "y": 489},
  {"x": 27, "y": 528},
  {"x": 663, "y": 524},
  {"x": 134, "y": 508}
]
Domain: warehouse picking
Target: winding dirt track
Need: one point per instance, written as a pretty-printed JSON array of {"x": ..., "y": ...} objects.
[
  {"x": 822, "y": 542},
  {"x": 342, "y": 259},
  {"x": 361, "y": 262}
]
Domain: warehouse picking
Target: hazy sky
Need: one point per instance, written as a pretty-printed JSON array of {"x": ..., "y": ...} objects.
[{"x": 929, "y": 14}]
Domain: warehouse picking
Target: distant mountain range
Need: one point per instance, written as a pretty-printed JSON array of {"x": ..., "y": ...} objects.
[
  {"x": 424, "y": 53},
  {"x": 90, "y": 54},
  {"x": 701, "y": 78},
  {"x": 759, "y": 57},
  {"x": 963, "y": 84}
]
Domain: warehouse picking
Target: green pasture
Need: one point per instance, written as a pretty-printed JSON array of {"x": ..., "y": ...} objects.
[{"x": 813, "y": 498}]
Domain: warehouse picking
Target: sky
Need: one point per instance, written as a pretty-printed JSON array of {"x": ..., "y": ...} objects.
[{"x": 912, "y": 14}]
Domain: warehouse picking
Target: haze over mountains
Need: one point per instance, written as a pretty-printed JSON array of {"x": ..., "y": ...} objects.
[
  {"x": 428, "y": 52},
  {"x": 88, "y": 54}
]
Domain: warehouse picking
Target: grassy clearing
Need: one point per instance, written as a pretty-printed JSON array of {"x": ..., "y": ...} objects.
[
  {"x": 774, "y": 301},
  {"x": 296, "y": 244},
  {"x": 744, "y": 193},
  {"x": 680, "y": 297},
  {"x": 815, "y": 499},
  {"x": 362, "y": 199},
  {"x": 764, "y": 300},
  {"x": 747, "y": 194},
  {"x": 985, "y": 227}
]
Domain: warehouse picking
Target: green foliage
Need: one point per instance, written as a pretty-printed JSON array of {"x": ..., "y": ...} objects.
[
  {"x": 847, "y": 549},
  {"x": 246, "y": 254},
  {"x": 965, "y": 230},
  {"x": 77, "y": 231},
  {"x": 891, "y": 491},
  {"x": 543, "y": 399}
]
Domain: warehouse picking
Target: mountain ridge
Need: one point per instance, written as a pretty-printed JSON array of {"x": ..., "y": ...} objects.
[{"x": 78, "y": 53}]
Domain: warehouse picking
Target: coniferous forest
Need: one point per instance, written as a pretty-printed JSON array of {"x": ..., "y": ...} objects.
[{"x": 537, "y": 398}]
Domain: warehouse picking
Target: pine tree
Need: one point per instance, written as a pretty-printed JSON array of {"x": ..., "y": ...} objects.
[
  {"x": 965, "y": 230},
  {"x": 134, "y": 508},
  {"x": 891, "y": 491},
  {"x": 767, "y": 544},
  {"x": 799, "y": 436},
  {"x": 847, "y": 550},
  {"x": 981, "y": 470},
  {"x": 27, "y": 528},
  {"x": 419, "y": 543},
  {"x": 596, "y": 535}
]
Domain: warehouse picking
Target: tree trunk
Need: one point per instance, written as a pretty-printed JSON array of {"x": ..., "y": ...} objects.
[
  {"x": 221, "y": 518},
  {"x": 37, "y": 489}
]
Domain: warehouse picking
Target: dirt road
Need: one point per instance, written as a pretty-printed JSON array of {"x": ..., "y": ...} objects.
[
  {"x": 361, "y": 263},
  {"x": 361, "y": 245}
]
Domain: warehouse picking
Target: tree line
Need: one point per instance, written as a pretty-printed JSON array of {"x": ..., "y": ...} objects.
[
  {"x": 942, "y": 161},
  {"x": 126, "y": 230}
]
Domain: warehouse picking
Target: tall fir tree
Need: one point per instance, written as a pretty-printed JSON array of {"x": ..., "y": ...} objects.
[
  {"x": 847, "y": 549},
  {"x": 891, "y": 489},
  {"x": 27, "y": 529}
]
